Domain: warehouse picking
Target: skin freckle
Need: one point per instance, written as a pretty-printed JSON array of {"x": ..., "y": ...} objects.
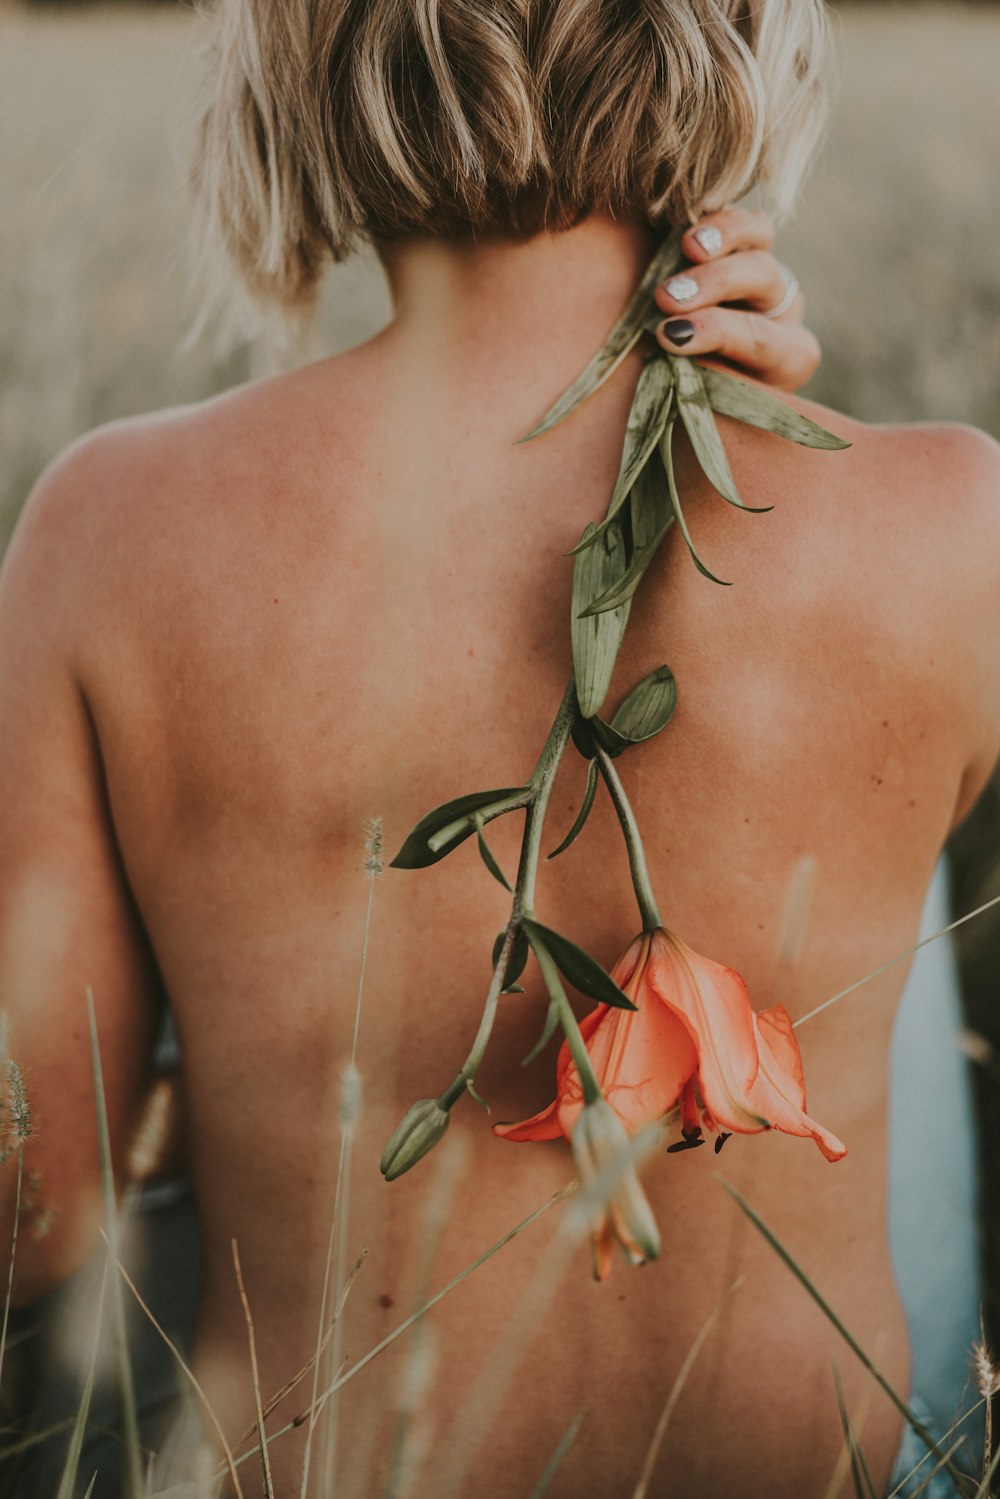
[{"x": 385, "y": 1300}]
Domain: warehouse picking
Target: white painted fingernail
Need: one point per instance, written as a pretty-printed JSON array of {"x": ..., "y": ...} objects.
[
  {"x": 682, "y": 289},
  {"x": 709, "y": 238}
]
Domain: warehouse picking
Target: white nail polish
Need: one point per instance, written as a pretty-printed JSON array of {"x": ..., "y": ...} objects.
[
  {"x": 709, "y": 238},
  {"x": 682, "y": 288}
]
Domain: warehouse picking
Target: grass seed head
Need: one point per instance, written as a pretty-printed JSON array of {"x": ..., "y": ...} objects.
[
  {"x": 373, "y": 848},
  {"x": 985, "y": 1369},
  {"x": 18, "y": 1107}
]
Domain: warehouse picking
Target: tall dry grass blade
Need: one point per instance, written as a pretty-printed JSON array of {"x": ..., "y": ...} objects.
[
  {"x": 986, "y": 1371},
  {"x": 852, "y": 1457},
  {"x": 938, "y": 1467},
  {"x": 985, "y": 1488},
  {"x": 13, "y": 1252},
  {"x": 408, "y": 1322},
  {"x": 646, "y": 1476},
  {"x": 336, "y": 1247},
  {"x": 960, "y": 1479},
  {"x": 797, "y": 908},
  {"x": 90, "y": 1487},
  {"x": 189, "y": 1375},
  {"x": 899, "y": 958},
  {"x": 19, "y": 1130},
  {"x": 35, "y": 1438},
  {"x": 473, "y": 1422},
  {"x": 67, "y": 1481},
  {"x": 927, "y": 1455},
  {"x": 265, "y": 1460},
  {"x": 123, "y": 1367},
  {"x": 555, "y": 1462},
  {"x": 476, "y": 1415},
  {"x": 419, "y": 1367}
]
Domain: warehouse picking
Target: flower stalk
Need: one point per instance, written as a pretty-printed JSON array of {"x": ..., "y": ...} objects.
[{"x": 641, "y": 883}]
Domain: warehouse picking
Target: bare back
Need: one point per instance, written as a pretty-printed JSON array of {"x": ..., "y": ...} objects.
[{"x": 343, "y": 592}]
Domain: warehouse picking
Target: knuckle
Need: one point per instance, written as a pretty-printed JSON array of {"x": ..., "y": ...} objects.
[{"x": 757, "y": 339}]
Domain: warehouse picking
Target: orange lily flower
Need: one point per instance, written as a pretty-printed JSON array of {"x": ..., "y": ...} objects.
[{"x": 693, "y": 1038}]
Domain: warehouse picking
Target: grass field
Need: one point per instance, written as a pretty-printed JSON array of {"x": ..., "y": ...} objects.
[{"x": 894, "y": 245}]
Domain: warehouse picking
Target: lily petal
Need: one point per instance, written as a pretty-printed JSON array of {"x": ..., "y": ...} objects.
[
  {"x": 776, "y": 1027},
  {"x": 749, "y": 1074}
]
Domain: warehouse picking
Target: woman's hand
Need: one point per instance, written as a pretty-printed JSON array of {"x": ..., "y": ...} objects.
[{"x": 717, "y": 305}]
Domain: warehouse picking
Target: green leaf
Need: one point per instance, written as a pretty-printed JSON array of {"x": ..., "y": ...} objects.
[
  {"x": 487, "y": 857},
  {"x": 622, "y": 338},
  {"x": 470, "y": 1089},
  {"x": 582, "y": 971},
  {"x": 648, "y": 707},
  {"x": 583, "y": 814},
  {"x": 517, "y": 961},
  {"x": 425, "y": 844},
  {"x": 597, "y": 638},
  {"x": 647, "y": 419},
  {"x": 548, "y": 1031},
  {"x": 699, "y": 423},
  {"x": 601, "y": 733},
  {"x": 652, "y": 518},
  {"x": 759, "y": 408},
  {"x": 666, "y": 449}
]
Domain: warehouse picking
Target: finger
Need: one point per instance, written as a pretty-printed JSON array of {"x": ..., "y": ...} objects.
[
  {"x": 750, "y": 276},
  {"x": 728, "y": 230},
  {"x": 782, "y": 354}
]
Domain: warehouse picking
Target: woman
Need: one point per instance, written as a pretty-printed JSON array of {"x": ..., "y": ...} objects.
[{"x": 343, "y": 592}]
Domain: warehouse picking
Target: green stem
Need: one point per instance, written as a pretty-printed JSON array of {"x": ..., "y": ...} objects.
[
  {"x": 568, "y": 1021},
  {"x": 648, "y": 909},
  {"x": 541, "y": 782}
]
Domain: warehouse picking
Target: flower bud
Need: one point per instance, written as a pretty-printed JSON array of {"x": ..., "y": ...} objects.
[
  {"x": 605, "y": 1163},
  {"x": 417, "y": 1133}
]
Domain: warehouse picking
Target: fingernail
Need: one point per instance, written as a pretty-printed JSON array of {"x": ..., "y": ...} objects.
[
  {"x": 679, "y": 331},
  {"x": 682, "y": 288},
  {"x": 709, "y": 238}
]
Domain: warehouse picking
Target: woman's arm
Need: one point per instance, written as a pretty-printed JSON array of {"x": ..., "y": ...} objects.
[{"x": 67, "y": 920}]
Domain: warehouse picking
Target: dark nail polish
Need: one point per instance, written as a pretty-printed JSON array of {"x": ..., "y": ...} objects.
[{"x": 679, "y": 331}]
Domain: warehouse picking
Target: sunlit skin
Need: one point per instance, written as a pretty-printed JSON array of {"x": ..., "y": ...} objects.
[{"x": 343, "y": 591}]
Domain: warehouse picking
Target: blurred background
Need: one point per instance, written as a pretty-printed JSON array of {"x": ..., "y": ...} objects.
[{"x": 895, "y": 244}]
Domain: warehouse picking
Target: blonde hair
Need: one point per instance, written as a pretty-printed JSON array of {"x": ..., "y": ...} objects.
[{"x": 330, "y": 121}]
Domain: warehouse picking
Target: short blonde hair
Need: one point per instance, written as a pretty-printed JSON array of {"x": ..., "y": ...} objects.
[{"x": 330, "y": 121}]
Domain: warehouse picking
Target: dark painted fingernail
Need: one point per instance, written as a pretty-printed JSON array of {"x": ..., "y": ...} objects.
[{"x": 679, "y": 331}]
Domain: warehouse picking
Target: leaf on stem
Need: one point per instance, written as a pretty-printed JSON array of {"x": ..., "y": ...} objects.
[
  {"x": 699, "y": 423},
  {"x": 517, "y": 961},
  {"x": 548, "y": 1031},
  {"x": 487, "y": 857},
  {"x": 652, "y": 518},
  {"x": 622, "y": 338},
  {"x": 646, "y": 421},
  {"x": 581, "y": 970},
  {"x": 444, "y": 828},
  {"x": 756, "y": 406},
  {"x": 597, "y": 638},
  {"x": 582, "y": 815},
  {"x": 470, "y": 1088},
  {"x": 648, "y": 707},
  {"x": 666, "y": 451}
]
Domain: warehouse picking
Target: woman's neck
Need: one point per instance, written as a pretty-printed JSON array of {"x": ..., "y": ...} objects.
[{"x": 514, "y": 309}]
